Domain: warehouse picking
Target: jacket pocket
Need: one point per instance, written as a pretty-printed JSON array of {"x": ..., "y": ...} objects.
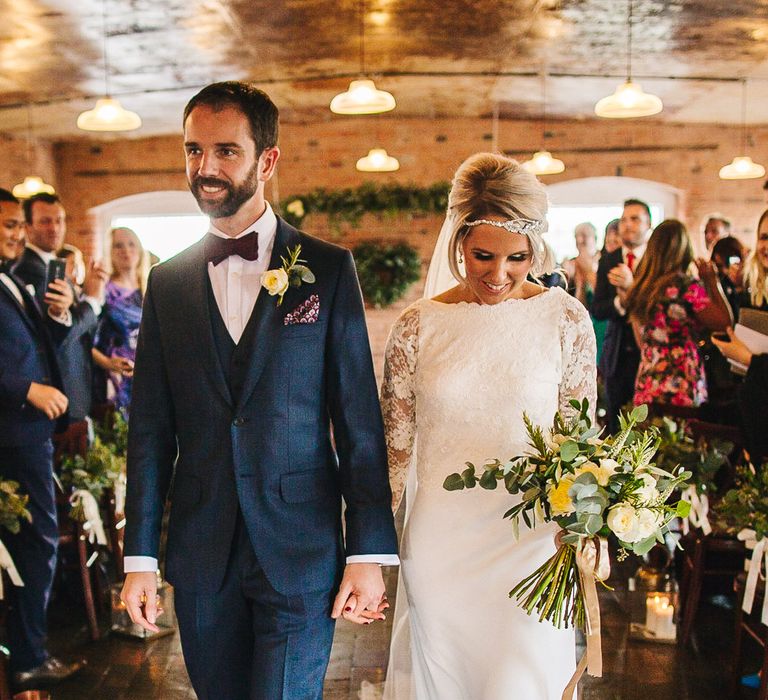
[{"x": 302, "y": 487}]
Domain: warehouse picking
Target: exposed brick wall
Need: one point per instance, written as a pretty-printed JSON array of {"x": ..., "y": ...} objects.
[{"x": 323, "y": 154}]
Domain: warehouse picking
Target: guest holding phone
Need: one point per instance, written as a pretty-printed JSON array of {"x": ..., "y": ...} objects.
[{"x": 40, "y": 266}]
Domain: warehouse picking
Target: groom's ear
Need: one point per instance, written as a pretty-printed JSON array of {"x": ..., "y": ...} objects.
[{"x": 268, "y": 162}]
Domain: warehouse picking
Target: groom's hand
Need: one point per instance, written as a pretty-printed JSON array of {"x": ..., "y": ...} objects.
[
  {"x": 362, "y": 596},
  {"x": 139, "y": 595}
]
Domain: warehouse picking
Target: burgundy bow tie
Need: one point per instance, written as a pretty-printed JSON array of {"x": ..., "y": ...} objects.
[{"x": 218, "y": 249}]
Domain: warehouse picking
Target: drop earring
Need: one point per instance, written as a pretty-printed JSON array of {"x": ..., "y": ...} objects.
[{"x": 461, "y": 257}]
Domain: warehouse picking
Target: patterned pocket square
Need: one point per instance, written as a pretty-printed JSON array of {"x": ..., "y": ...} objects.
[{"x": 306, "y": 312}]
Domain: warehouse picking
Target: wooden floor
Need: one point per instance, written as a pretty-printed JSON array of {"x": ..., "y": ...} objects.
[{"x": 125, "y": 669}]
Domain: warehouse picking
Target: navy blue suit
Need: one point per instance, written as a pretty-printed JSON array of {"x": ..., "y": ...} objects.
[
  {"x": 240, "y": 439},
  {"x": 27, "y": 355},
  {"x": 620, "y": 356},
  {"x": 74, "y": 353}
]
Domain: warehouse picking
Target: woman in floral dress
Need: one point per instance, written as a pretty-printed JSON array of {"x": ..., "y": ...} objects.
[{"x": 670, "y": 310}]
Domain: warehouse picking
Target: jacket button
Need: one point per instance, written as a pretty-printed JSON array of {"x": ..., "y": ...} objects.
[{"x": 239, "y": 422}]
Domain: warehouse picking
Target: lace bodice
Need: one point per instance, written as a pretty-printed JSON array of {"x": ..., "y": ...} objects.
[{"x": 461, "y": 375}]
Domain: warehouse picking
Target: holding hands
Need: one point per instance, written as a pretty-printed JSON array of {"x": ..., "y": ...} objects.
[{"x": 362, "y": 596}]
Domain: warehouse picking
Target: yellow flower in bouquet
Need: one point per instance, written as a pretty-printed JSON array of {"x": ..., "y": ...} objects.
[{"x": 559, "y": 499}]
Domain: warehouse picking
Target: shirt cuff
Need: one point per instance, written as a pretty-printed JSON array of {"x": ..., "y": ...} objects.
[
  {"x": 135, "y": 565},
  {"x": 94, "y": 303},
  {"x": 65, "y": 319},
  {"x": 380, "y": 559},
  {"x": 619, "y": 308}
]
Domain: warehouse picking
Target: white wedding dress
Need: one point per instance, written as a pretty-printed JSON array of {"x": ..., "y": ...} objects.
[{"x": 458, "y": 378}]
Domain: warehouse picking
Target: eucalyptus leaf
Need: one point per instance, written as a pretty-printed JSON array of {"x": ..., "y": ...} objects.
[
  {"x": 454, "y": 482},
  {"x": 569, "y": 450},
  {"x": 488, "y": 480}
]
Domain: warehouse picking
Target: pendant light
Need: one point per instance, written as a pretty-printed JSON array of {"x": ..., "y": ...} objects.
[
  {"x": 378, "y": 161},
  {"x": 629, "y": 99},
  {"x": 742, "y": 167},
  {"x": 362, "y": 96},
  {"x": 32, "y": 184},
  {"x": 108, "y": 114},
  {"x": 542, "y": 162}
]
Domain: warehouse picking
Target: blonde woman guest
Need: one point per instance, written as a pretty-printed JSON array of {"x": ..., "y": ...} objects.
[
  {"x": 115, "y": 343},
  {"x": 756, "y": 270},
  {"x": 670, "y": 310},
  {"x": 460, "y": 370}
]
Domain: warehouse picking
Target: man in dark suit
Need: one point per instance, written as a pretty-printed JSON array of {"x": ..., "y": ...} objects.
[
  {"x": 620, "y": 355},
  {"x": 46, "y": 226},
  {"x": 30, "y": 403},
  {"x": 255, "y": 411}
]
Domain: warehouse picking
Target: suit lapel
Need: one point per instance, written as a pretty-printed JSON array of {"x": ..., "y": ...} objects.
[
  {"x": 266, "y": 316},
  {"x": 29, "y": 314},
  {"x": 201, "y": 318}
]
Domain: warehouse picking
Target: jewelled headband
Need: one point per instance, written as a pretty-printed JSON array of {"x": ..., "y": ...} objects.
[{"x": 524, "y": 226}]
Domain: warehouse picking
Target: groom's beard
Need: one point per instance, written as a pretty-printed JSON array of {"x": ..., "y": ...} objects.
[{"x": 237, "y": 194}]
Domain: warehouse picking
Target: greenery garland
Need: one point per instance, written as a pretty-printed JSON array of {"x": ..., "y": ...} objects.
[
  {"x": 349, "y": 204},
  {"x": 13, "y": 506},
  {"x": 386, "y": 271}
]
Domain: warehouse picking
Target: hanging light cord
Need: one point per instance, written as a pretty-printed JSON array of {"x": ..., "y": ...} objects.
[
  {"x": 104, "y": 45},
  {"x": 29, "y": 136},
  {"x": 362, "y": 37},
  {"x": 543, "y": 107},
  {"x": 629, "y": 42},
  {"x": 744, "y": 115}
]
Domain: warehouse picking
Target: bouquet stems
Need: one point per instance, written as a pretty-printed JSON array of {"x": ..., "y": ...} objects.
[{"x": 554, "y": 590}]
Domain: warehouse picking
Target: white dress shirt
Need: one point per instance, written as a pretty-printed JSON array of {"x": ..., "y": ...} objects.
[{"x": 236, "y": 284}]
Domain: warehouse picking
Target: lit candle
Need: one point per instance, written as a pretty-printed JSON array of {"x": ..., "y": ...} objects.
[
  {"x": 665, "y": 623},
  {"x": 651, "y": 604}
]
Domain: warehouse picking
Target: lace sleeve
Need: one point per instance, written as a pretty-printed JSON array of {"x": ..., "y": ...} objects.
[
  {"x": 398, "y": 402},
  {"x": 579, "y": 351}
]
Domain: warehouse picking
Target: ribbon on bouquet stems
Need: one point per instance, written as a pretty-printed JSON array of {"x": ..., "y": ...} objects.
[
  {"x": 92, "y": 522},
  {"x": 6, "y": 562},
  {"x": 699, "y": 511},
  {"x": 594, "y": 564},
  {"x": 759, "y": 553}
]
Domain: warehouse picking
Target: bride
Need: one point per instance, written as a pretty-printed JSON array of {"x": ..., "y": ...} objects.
[{"x": 461, "y": 368}]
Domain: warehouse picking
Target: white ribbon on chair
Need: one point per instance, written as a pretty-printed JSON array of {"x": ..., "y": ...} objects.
[
  {"x": 759, "y": 554},
  {"x": 6, "y": 562},
  {"x": 699, "y": 511},
  {"x": 92, "y": 522}
]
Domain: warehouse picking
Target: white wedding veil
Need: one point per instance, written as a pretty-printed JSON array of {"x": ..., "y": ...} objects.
[{"x": 439, "y": 275}]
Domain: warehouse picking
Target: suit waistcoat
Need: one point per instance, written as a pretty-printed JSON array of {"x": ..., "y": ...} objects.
[{"x": 233, "y": 356}]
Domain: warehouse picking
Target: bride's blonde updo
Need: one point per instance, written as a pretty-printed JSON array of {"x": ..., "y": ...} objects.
[{"x": 491, "y": 184}]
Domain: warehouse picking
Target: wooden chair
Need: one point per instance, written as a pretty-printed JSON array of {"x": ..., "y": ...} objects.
[
  {"x": 716, "y": 555},
  {"x": 71, "y": 534},
  {"x": 750, "y": 625}
]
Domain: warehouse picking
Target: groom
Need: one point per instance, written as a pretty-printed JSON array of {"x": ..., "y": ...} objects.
[{"x": 254, "y": 413}]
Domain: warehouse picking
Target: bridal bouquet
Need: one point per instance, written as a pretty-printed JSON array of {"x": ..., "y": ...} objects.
[{"x": 589, "y": 486}]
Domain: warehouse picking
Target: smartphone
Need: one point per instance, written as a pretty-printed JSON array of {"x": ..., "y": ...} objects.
[
  {"x": 722, "y": 337},
  {"x": 56, "y": 270}
]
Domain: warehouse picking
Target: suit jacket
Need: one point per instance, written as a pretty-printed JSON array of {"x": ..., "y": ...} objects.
[
  {"x": 27, "y": 355},
  {"x": 74, "y": 353},
  {"x": 269, "y": 454},
  {"x": 618, "y": 333}
]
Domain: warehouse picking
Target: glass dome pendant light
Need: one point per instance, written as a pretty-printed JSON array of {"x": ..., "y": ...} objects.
[
  {"x": 542, "y": 162},
  {"x": 378, "y": 161},
  {"x": 362, "y": 96},
  {"x": 33, "y": 184},
  {"x": 742, "y": 167},
  {"x": 629, "y": 100},
  {"x": 108, "y": 114}
]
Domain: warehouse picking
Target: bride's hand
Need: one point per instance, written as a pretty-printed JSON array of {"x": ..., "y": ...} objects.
[{"x": 362, "y": 596}]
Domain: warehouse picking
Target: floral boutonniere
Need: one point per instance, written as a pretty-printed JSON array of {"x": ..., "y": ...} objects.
[{"x": 291, "y": 274}]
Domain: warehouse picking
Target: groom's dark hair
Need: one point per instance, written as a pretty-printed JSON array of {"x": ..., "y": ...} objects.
[{"x": 255, "y": 104}]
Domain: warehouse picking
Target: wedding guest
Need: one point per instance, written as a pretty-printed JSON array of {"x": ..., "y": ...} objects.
[
  {"x": 46, "y": 224},
  {"x": 756, "y": 270},
  {"x": 461, "y": 368},
  {"x": 615, "y": 274},
  {"x": 612, "y": 240},
  {"x": 752, "y": 394},
  {"x": 31, "y": 403},
  {"x": 582, "y": 270},
  {"x": 114, "y": 348},
  {"x": 728, "y": 256},
  {"x": 715, "y": 227},
  {"x": 669, "y": 310}
]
